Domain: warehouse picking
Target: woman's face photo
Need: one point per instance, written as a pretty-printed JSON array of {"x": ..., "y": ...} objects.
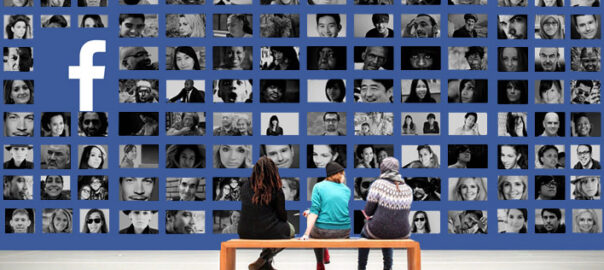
[
  {"x": 288, "y": 191},
  {"x": 468, "y": 189},
  {"x": 467, "y": 92},
  {"x": 586, "y": 221},
  {"x": 95, "y": 159},
  {"x": 367, "y": 155},
  {"x": 20, "y": 92},
  {"x": 513, "y": 188},
  {"x": 235, "y": 26},
  {"x": 242, "y": 126},
  {"x": 89, "y": 23},
  {"x": 57, "y": 126},
  {"x": 382, "y": 154},
  {"x": 94, "y": 222},
  {"x": 550, "y": 159},
  {"x": 509, "y": 157},
  {"x": 186, "y": 159},
  {"x": 510, "y": 58},
  {"x": 184, "y": 28},
  {"x": 551, "y": 26},
  {"x": 322, "y": 155},
  {"x": 132, "y": 154},
  {"x": 19, "y": 29},
  {"x": 420, "y": 221},
  {"x": 236, "y": 56},
  {"x": 583, "y": 126},
  {"x": 548, "y": 190},
  {"x": 184, "y": 61},
  {"x": 589, "y": 186},
  {"x": 421, "y": 89},
  {"x": 96, "y": 184},
  {"x": 425, "y": 156},
  {"x": 232, "y": 156},
  {"x": 13, "y": 59},
  {"x": 60, "y": 221},
  {"x": 469, "y": 122},
  {"x": 334, "y": 92},
  {"x": 519, "y": 126},
  {"x": 515, "y": 220},
  {"x": 513, "y": 94},
  {"x": 465, "y": 156},
  {"x": 85, "y": 193},
  {"x": 552, "y": 95}
]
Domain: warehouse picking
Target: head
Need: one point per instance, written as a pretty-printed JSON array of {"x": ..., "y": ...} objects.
[
  {"x": 431, "y": 118},
  {"x": 512, "y": 187},
  {"x": 58, "y": 156},
  {"x": 581, "y": 91},
  {"x": 291, "y": 189},
  {"x": 130, "y": 151},
  {"x": 424, "y": 26},
  {"x": 470, "y": 120},
  {"x": 273, "y": 90},
  {"x": 408, "y": 121},
  {"x": 470, "y": 21},
  {"x": 515, "y": 125},
  {"x": 231, "y": 156},
  {"x": 586, "y": 25},
  {"x": 135, "y": 58},
  {"x": 590, "y": 59},
  {"x": 93, "y": 157},
  {"x": 422, "y": 59},
  {"x": 17, "y": 187},
  {"x": 144, "y": 92},
  {"x": 282, "y": 155},
  {"x": 470, "y": 219},
  {"x": 516, "y": 219},
  {"x": 548, "y": 156},
  {"x": 550, "y": 91},
  {"x": 236, "y": 57},
  {"x": 420, "y": 222},
  {"x": 584, "y": 154},
  {"x": 185, "y": 58},
  {"x": 93, "y": 124},
  {"x": 264, "y": 181},
  {"x": 91, "y": 21},
  {"x": 551, "y": 218},
  {"x": 18, "y": 152},
  {"x": 84, "y": 192},
  {"x": 427, "y": 157},
  {"x": 95, "y": 222},
  {"x": 374, "y": 57},
  {"x": 286, "y": 57},
  {"x": 582, "y": 124},
  {"x": 238, "y": 25},
  {"x": 586, "y": 221},
  {"x": 464, "y": 153},
  {"x": 18, "y": 58},
  {"x": 335, "y": 90},
  {"x": 140, "y": 219},
  {"x": 470, "y": 189},
  {"x": 511, "y": 157},
  {"x": 20, "y": 221},
  {"x": 19, "y": 92},
  {"x": 132, "y": 25},
  {"x": 56, "y": 21},
  {"x": 511, "y": 59},
  {"x": 96, "y": 182},
  {"x": 54, "y": 123},
  {"x": 551, "y": 27},
  {"x": 331, "y": 121},
  {"x": 18, "y": 27},
  {"x": 361, "y": 186},
  {"x": 467, "y": 91},
  {"x": 380, "y": 22},
  {"x": 420, "y": 91},
  {"x": 376, "y": 90},
  {"x": 191, "y": 25},
  {"x": 136, "y": 188},
  {"x": 323, "y": 154},
  {"x": 182, "y": 221},
  {"x": 21, "y": 3},
  {"x": 549, "y": 58},
  {"x": 328, "y": 58},
  {"x": 274, "y": 121},
  {"x": 551, "y": 124},
  {"x": 53, "y": 186},
  {"x": 586, "y": 187},
  {"x": 60, "y": 221},
  {"x": 185, "y": 156},
  {"x": 514, "y": 26},
  {"x": 515, "y": 91},
  {"x": 366, "y": 154},
  {"x": 474, "y": 56},
  {"x": 328, "y": 25},
  {"x": 18, "y": 124},
  {"x": 365, "y": 128}
]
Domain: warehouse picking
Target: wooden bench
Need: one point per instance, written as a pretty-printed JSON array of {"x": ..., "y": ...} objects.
[{"x": 228, "y": 248}]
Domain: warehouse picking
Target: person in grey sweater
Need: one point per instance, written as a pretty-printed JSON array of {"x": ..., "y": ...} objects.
[{"x": 387, "y": 210}]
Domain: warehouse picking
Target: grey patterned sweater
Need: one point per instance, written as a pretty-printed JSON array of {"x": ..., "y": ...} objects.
[{"x": 389, "y": 208}]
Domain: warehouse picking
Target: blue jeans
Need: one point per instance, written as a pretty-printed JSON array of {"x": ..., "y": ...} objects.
[{"x": 364, "y": 253}]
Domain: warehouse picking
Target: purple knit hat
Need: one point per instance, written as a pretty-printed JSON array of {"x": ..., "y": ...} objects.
[{"x": 389, "y": 164}]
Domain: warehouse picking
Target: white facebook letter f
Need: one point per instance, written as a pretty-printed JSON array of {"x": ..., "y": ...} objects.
[{"x": 86, "y": 72}]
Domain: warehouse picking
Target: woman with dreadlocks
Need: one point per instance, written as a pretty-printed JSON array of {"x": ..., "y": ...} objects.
[{"x": 263, "y": 214}]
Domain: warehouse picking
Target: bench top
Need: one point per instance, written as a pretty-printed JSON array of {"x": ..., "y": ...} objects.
[{"x": 321, "y": 243}]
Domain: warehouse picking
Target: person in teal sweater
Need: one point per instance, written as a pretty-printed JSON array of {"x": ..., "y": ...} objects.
[{"x": 328, "y": 216}]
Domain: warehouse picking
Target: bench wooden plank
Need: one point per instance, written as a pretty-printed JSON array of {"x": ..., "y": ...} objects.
[{"x": 228, "y": 248}]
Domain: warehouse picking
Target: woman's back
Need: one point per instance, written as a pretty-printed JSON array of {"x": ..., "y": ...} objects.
[
  {"x": 260, "y": 221},
  {"x": 389, "y": 207}
]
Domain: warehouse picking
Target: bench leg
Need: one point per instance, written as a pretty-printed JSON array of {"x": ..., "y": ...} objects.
[
  {"x": 227, "y": 258},
  {"x": 414, "y": 258}
]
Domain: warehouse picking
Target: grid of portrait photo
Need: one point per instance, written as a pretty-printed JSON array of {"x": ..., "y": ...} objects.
[{"x": 494, "y": 115}]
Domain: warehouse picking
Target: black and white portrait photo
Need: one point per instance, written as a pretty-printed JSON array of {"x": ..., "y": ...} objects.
[
  {"x": 185, "y": 123},
  {"x": 139, "y": 58},
  {"x": 470, "y": 123},
  {"x": 280, "y": 25},
  {"x": 587, "y": 220},
  {"x": 93, "y": 187},
  {"x": 420, "y": 91},
  {"x": 279, "y": 124},
  {"x": 467, "y": 222},
  {"x": 326, "y": 25},
  {"x": 373, "y": 58},
  {"x": 53, "y": 156},
  {"x": 232, "y": 91},
  {"x": 512, "y": 91},
  {"x": 423, "y": 222},
  {"x": 18, "y": 91},
  {"x": 279, "y": 91},
  {"x": 139, "y": 188},
  {"x": 420, "y": 123},
  {"x": 138, "y": 25},
  {"x": 232, "y": 124},
  {"x": 138, "y": 222},
  {"x": 467, "y": 91},
  {"x": 585, "y": 26},
  {"x": 420, "y": 25},
  {"x": 185, "y": 58},
  {"x": 472, "y": 156},
  {"x": 18, "y": 187},
  {"x": 139, "y": 156},
  {"x": 326, "y": 123},
  {"x": 55, "y": 187},
  {"x": 94, "y": 220},
  {"x": 512, "y": 59},
  {"x": 468, "y": 25},
  {"x": 370, "y": 156},
  {"x": 550, "y": 156},
  {"x": 285, "y": 156},
  {"x": 373, "y": 123},
  {"x": 549, "y": 26},
  {"x": 232, "y": 57},
  {"x": 18, "y": 156},
  {"x": 233, "y": 25},
  {"x": 377, "y": 25},
  {"x": 185, "y": 188},
  {"x": 318, "y": 155},
  {"x": 585, "y": 124},
  {"x": 57, "y": 220},
  {"x": 373, "y": 90},
  {"x": 550, "y": 124},
  {"x": 18, "y": 26},
  {"x": 585, "y": 91},
  {"x": 138, "y": 124},
  {"x": 93, "y": 156},
  {"x": 19, "y": 124},
  {"x": 585, "y": 59},
  {"x": 513, "y": 220},
  {"x": 425, "y": 188},
  {"x": 185, "y": 91},
  {"x": 549, "y": 92},
  {"x": 18, "y": 59},
  {"x": 427, "y": 157},
  {"x": 420, "y": 58},
  {"x": 185, "y": 156},
  {"x": 280, "y": 58},
  {"x": 56, "y": 21},
  {"x": 585, "y": 156},
  {"x": 512, "y": 26},
  {"x": 19, "y": 220},
  {"x": 232, "y": 156},
  {"x": 549, "y": 59},
  {"x": 468, "y": 189},
  {"x": 361, "y": 187},
  {"x": 227, "y": 188},
  {"x": 468, "y": 58},
  {"x": 512, "y": 187},
  {"x": 93, "y": 124},
  {"x": 331, "y": 90},
  {"x": 585, "y": 187},
  {"x": 138, "y": 91},
  {"x": 142, "y": 2},
  {"x": 550, "y": 220},
  {"x": 225, "y": 221},
  {"x": 291, "y": 188},
  {"x": 185, "y": 222},
  {"x": 185, "y": 25},
  {"x": 326, "y": 58},
  {"x": 512, "y": 124}
]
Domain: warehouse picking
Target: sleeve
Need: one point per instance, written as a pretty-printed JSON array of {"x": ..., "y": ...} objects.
[
  {"x": 315, "y": 206},
  {"x": 373, "y": 197},
  {"x": 280, "y": 206},
  {"x": 436, "y": 127},
  {"x": 426, "y": 128},
  {"x": 177, "y": 97}
]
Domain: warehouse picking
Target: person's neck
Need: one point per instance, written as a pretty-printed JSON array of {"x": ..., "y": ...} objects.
[
  {"x": 139, "y": 230},
  {"x": 18, "y": 162},
  {"x": 422, "y": 230},
  {"x": 588, "y": 165},
  {"x": 331, "y": 132}
]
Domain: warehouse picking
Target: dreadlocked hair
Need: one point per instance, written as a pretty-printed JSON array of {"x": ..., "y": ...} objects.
[{"x": 265, "y": 179}]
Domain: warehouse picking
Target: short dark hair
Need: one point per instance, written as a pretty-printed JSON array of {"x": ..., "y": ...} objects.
[
  {"x": 432, "y": 20},
  {"x": 431, "y": 115},
  {"x": 471, "y": 114},
  {"x": 586, "y": 145},
  {"x": 587, "y": 83},
  {"x": 475, "y": 50},
  {"x": 123, "y": 17},
  {"x": 335, "y": 16},
  {"x": 380, "y": 17},
  {"x": 554, "y": 211},
  {"x": 337, "y": 114},
  {"x": 468, "y": 16},
  {"x": 544, "y": 148}
]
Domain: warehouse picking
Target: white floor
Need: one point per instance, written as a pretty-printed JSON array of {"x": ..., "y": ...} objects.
[{"x": 299, "y": 260}]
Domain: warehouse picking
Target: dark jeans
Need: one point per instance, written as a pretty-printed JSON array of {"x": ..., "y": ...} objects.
[
  {"x": 364, "y": 253},
  {"x": 319, "y": 233}
]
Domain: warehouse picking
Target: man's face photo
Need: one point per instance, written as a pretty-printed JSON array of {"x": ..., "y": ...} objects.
[
  {"x": 422, "y": 27},
  {"x": 19, "y": 153},
  {"x": 57, "y": 157},
  {"x": 18, "y": 124},
  {"x": 549, "y": 58},
  {"x": 587, "y": 26},
  {"x": 136, "y": 189},
  {"x": 421, "y": 60},
  {"x": 581, "y": 93},
  {"x": 475, "y": 61},
  {"x": 16, "y": 188},
  {"x": 328, "y": 27},
  {"x": 184, "y": 222},
  {"x": 590, "y": 59},
  {"x": 187, "y": 189},
  {"x": 327, "y": 59},
  {"x": 514, "y": 26},
  {"x": 53, "y": 185},
  {"x": 92, "y": 125},
  {"x": 583, "y": 126},
  {"x": 584, "y": 155},
  {"x": 374, "y": 57},
  {"x": 20, "y": 222},
  {"x": 372, "y": 91},
  {"x": 331, "y": 122},
  {"x": 470, "y": 23},
  {"x": 273, "y": 93},
  {"x": 381, "y": 25},
  {"x": 137, "y": 58},
  {"x": 132, "y": 27},
  {"x": 144, "y": 94},
  {"x": 551, "y": 124},
  {"x": 140, "y": 219},
  {"x": 282, "y": 155},
  {"x": 550, "y": 221}
]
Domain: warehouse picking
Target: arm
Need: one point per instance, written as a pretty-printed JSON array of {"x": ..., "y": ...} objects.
[
  {"x": 373, "y": 197},
  {"x": 310, "y": 223},
  {"x": 179, "y": 96},
  {"x": 279, "y": 205}
]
